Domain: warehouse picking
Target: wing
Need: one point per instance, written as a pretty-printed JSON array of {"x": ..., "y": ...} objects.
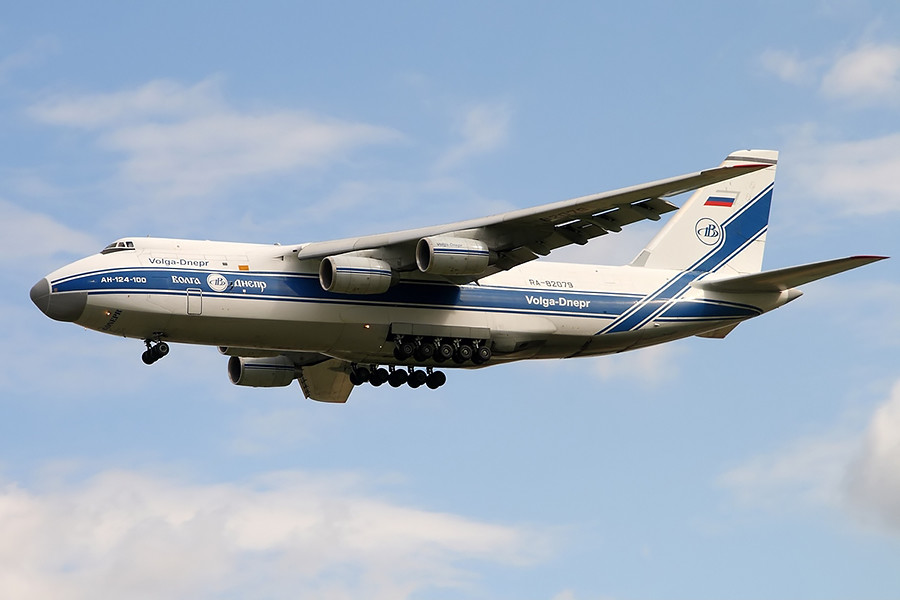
[
  {"x": 469, "y": 250},
  {"x": 321, "y": 377},
  {"x": 327, "y": 381}
]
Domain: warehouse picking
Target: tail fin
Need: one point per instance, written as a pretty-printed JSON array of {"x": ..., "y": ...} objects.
[{"x": 722, "y": 227}]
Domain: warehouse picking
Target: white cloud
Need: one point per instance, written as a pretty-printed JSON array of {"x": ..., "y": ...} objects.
[
  {"x": 788, "y": 67},
  {"x": 125, "y": 534},
  {"x": 807, "y": 471},
  {"x": 161, "y": 99},
  {"x": 866, "y": 76},
  {"x": 860, "y": 177},
  {"x": 858, "y": 471},
  {"x": 483, "y": 129},
  {"x": 28, "y": 234},
  {"x": 873, "y": 477},
  {"x": 31, "y": 54},
  {"x": 182, "y": 141},
  {"x": 869, "y": 75},
  {"x": 413, "y": 204}
]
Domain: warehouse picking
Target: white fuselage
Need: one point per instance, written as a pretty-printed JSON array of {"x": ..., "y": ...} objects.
[{"x": 254, "y": 296}]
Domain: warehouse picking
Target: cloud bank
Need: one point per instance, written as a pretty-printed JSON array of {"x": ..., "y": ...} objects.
[
  {"x": 855, "y": 471},
  {"x": 126, "y": 534},
  {"x": 867, "y": 76},
  {"x": 181, "y": 141}
]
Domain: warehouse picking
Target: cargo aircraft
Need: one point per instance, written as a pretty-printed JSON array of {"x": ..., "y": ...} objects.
[{"x": 399, "y": 308}]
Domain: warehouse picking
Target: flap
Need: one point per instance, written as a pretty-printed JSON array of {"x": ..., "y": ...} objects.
[{"x": 327, "y": 381}]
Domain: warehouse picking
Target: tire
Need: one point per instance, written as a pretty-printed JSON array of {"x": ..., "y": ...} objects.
[
  {"x": 417, "y": 378},
  {"x": 356, "y": 378},
  {"x": 398, "y": 378},
  {"x": 436, "y": 380},
  {"x": 463, "y": 354},
  {"x": 482, "y": 355},
  {"x": 404, "y": 350},
  {"x": 424, "y": 351},
  {"x": 379, "y": 376},
  {"x": 444, "y": 353}
]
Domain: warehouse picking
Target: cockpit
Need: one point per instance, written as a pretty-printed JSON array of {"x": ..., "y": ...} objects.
[{"x": 118, "y": 246}]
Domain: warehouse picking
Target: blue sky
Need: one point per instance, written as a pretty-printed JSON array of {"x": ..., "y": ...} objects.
[{"x": 766, "y": 465}]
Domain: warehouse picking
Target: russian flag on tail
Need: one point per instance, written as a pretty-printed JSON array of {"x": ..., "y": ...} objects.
[{"x": 719, "y": 201}]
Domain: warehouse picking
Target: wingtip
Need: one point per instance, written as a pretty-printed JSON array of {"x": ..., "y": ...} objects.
[{"x": 754, "y": 157}]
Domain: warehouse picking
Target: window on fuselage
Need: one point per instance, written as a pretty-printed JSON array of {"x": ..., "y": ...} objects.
[{"x": 118, "y": 247}]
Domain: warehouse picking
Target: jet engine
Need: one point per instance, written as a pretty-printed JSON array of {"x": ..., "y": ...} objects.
[
  {"x": 278, "y": 371},
  {"x": 355, "y": 275},
  {"x": 443, "y": 255}
]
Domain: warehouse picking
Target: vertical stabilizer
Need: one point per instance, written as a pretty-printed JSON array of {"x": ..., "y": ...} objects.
[{"x": 722, "y": 227}]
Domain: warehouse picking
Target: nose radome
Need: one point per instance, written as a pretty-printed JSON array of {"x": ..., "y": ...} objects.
[
  {"x": 40, "y": 295},
  {"x": 66, "y": 306}
]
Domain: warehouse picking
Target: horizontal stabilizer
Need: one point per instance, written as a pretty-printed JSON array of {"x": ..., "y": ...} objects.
[{"x": 785, "y": 279}]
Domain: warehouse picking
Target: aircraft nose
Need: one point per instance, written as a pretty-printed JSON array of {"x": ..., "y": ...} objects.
[{"x": 66, "y": 306}]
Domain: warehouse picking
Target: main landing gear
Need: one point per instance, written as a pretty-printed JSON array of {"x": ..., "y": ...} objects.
[
  {"x": 396, "y": 377},
  {"x": 154, "y": 351},
  {"x": 422, "y": 349},
  {"x": 441, "y": 349}
]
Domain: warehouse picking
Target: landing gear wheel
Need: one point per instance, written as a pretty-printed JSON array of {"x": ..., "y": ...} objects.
[
  {"x": 482, "y": 355},
  {"x": 444, "y": 353},
  {"x": 398, "y": 377},
  {"x": 424, "y": 351},
  {"x": 404, "y": 350},
  {"x": 417, "y": 378},
  {"x": 463, "y": 353},
  {"x": 154, "y": 352},
  {"x": 160, "y": 350},
  {"x": 359, "y": 375},
  {"x": 435, "y": 380},
  {"x": 379, "y": 376}
]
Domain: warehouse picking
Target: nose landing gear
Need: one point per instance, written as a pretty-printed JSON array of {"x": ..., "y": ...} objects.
[{"x": 154, "y": 351}]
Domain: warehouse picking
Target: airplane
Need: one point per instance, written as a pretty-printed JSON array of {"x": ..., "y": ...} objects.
[{"x": 398, "y": 308}]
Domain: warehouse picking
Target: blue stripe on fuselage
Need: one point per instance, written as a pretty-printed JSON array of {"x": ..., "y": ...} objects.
[
  {"x": 741, "y": 229},
  {"x": 409, "y": 294}
]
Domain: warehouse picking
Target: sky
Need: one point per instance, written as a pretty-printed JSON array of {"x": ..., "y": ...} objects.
[{"x": 764, "y": 465}]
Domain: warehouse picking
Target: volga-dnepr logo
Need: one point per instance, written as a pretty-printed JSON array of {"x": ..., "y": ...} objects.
[
  {"x": 708, "y": 231},
  {"x": 217, "y": 282}
]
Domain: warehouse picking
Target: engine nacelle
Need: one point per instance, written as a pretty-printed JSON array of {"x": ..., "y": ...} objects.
[
  {"x": 355, "y": 275},
  {"x": 442, "y": 255},
  {"x": 261, "y": 372},
  {"x": 248, "y": 352}
]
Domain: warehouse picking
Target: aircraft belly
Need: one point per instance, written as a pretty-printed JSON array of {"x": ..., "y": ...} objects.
[{"x": 128, "y": 315}]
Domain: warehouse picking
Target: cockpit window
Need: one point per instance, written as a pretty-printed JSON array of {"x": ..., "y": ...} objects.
[{"x": 118, "y": 247}]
